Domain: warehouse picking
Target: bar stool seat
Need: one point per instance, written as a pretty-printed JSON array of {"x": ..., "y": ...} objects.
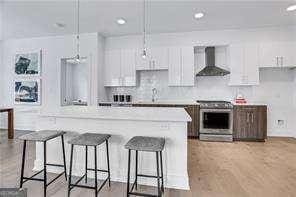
[
  {"x": 149, "y": 144},
  {"x": 89, "y": 139},
  {"x": 145, "y": 144},
  {"x": 92, "y": 140},
  {"x": 41, "y": 136}
]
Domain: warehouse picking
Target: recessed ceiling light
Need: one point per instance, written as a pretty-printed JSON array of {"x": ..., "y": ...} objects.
[
  {"x": 60, "y": 25},
  {"x": 121, "y": 21},
  {"x": 291, "y": 8},
  {"x": 199, "y": 15}
]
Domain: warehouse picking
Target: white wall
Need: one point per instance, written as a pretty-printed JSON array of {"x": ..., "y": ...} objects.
[
  {"x": 53, "y": 49},
  {"x": 276, "y": 86},
  {"x": 1, "y": 20},
  {"x": 274, "y": 90}
]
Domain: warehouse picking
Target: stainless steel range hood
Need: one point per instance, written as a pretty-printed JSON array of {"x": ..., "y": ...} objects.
[{"x": 211, "y": 69}]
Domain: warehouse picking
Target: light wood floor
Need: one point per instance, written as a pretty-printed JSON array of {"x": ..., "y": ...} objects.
[{"x": 240, "y": 169}]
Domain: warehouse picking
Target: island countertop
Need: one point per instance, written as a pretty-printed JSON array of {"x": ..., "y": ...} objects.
[{"x": 120, "y": 113}]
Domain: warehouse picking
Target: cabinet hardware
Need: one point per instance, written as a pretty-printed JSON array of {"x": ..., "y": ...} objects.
[
  {"x": 252, "y": 116},
  {"x": 247, "y": 117},
  {"x": 277, "y": 61},
  {"x": 282, "y": 61}
]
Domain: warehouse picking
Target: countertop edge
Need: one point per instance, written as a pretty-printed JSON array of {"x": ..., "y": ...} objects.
[{"x": 110, "y": 118}]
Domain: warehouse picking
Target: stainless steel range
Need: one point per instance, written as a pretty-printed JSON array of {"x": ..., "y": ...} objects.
[{"x": 216, "y": 120}]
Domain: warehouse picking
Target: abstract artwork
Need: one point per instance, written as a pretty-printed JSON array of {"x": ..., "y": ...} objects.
[
  {"x": 27, "y": 92},
  {"x": 27, "y": 64}
]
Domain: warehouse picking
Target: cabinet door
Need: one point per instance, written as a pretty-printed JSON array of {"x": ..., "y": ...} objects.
[
  {"x": 112, "y": 68},
  {"x": 187, "y": 67},
  {"x": 262, "y": 122},
  {"x": 252, "y": 124},
  {"x": 174, "y": 66},
  {"x": 287, "y": 54},
  {"x": 251, "y": 64},
  {"x": 128, "y": 67},
  {"x": 268, "y": 54},
  {"x": 141, "y": 63},
  {"x": 240, "y": 123},
  {"x": 237, "y": 76},
  {"x": 159, "y": 58}
]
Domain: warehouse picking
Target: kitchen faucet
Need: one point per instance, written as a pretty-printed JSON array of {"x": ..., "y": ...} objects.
[{"x": 154, "y": 92}]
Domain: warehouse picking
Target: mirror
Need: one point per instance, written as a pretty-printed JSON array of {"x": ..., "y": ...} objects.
[{"x": 74, "y": 82}]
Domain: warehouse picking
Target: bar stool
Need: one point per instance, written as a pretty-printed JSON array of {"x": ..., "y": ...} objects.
[
  {"x": 42, "y": 136},
  {"x": 145, "y": 144},
  {"x": 89, "y": 139}
]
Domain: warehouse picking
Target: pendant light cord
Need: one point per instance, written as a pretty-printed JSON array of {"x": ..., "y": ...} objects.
[
  {"x": 144, "y": 24},
  {"x": 78, "y": 29}
]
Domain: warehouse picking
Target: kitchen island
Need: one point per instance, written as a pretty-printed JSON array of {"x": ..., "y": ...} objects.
[{"x": 122, "y": 123}]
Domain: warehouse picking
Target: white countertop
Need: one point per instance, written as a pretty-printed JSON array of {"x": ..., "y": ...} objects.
[
  {"x": 120, "y": 113},
  {"x": 164, "y": 102},
  {"x": 250, "y": 103},
  {"x": 178, "y": 102}
]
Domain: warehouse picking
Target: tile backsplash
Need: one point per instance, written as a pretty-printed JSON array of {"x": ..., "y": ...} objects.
[{"x": 213, "y": 88}]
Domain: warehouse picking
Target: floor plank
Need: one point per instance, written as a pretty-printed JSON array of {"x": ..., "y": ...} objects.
[{"x": 239, "y": 169}]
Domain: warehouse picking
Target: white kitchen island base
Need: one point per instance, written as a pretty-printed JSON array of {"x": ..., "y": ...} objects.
[{"x": 122, "y": 123}]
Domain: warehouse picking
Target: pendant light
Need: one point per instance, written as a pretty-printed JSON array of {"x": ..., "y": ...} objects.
[
  {"x": 77, "y": 59},
  {"x": 144, "y": 52}
]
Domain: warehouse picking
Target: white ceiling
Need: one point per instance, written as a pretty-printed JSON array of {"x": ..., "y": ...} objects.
[{"x": 37, "y": 18}]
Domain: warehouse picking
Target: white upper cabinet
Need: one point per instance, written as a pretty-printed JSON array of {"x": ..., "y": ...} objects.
[
  {"x": 244, "y": 63},
  {"x": 112, "y": 68},
  {"x": 160, "y": 58},
  {"x": 128, "y": 67},
  {"x": 181, "y": 66},
  {"x": 120, "y": 68},
  {"x": 157, "y": 59},
  {"x": 277, "y": 54},
  {"x": 175, "y": 66},
  {"x": 188, "y": 74}
]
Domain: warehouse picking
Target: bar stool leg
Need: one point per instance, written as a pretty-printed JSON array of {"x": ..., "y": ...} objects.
[
  {"x": 23, "y": 163},
  {"x": 161, "y": 167},
  {"x": 96, "y": 173},
  {"x": 128, "y": 172},
  {"x": 70, "y": 170},
  {"x": 158, "y": 178},
  {"x": 86, "y": 158},
  {"x": 45, "y": 171},
  {"x": 136, "y": 168},
  {"x": 64, "y": 156},
  {"x": 108, "y": 163}
]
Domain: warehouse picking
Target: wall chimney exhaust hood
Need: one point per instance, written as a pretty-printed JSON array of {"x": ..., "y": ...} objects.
[{"x": 211, "y": 69}]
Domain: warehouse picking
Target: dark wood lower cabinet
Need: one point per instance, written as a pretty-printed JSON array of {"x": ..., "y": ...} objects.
[
  {"x": 192, "y": 110},
  {"x": 250, "y": 123}
]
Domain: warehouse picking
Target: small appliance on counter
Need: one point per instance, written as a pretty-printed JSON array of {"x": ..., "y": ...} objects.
[
  {"x": 240, "y": 99},
  {"x": 121, "y": 98},
  {"x": 128, "y": 98},
  {"x": 115, "y": 98}
]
